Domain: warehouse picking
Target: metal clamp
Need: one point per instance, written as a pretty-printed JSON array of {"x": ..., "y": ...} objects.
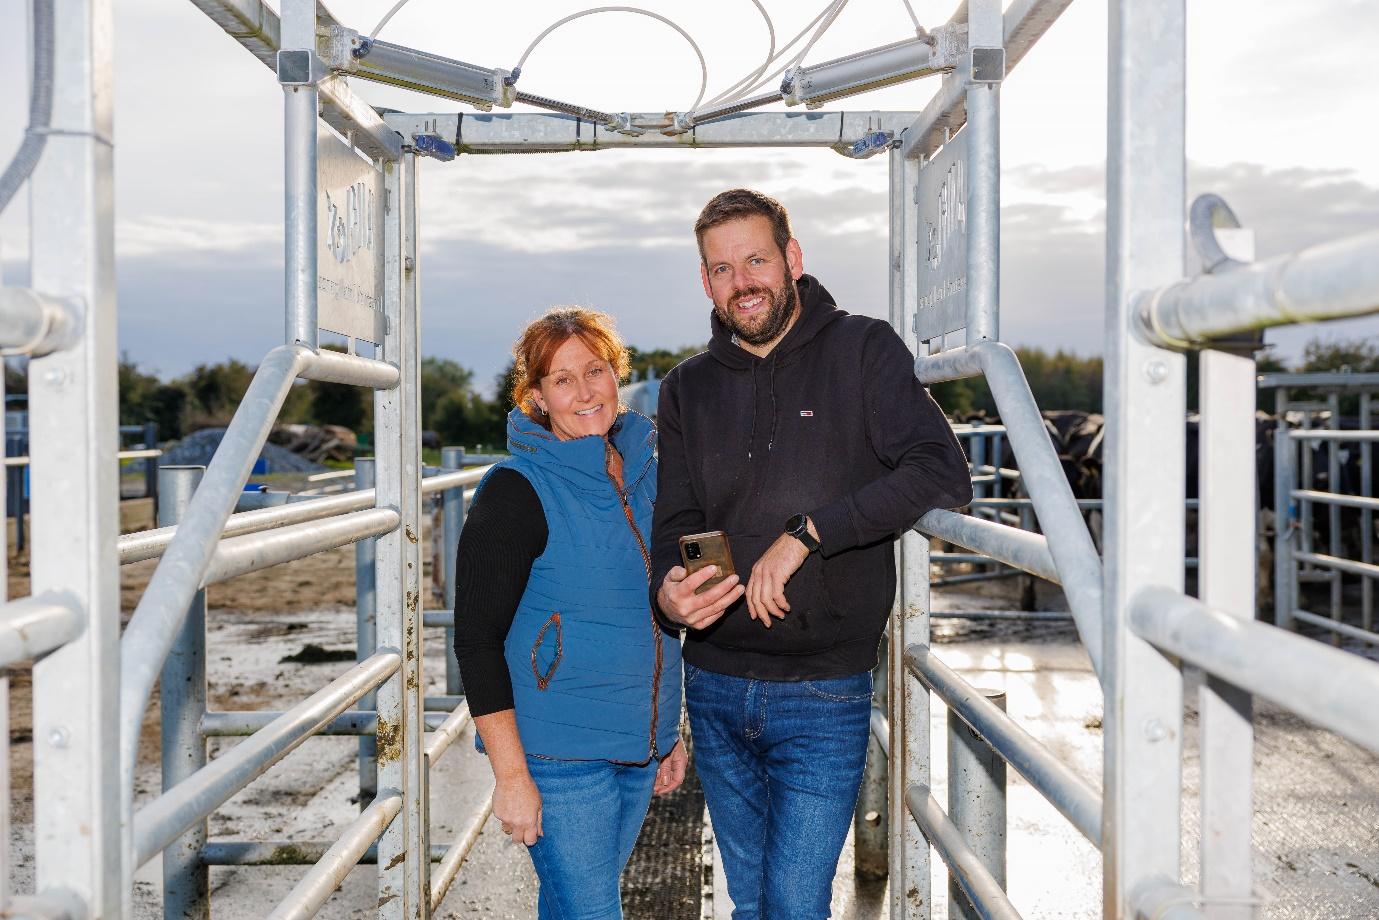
[
  {"x": 41, "y": 324},
  {"x": 433, "y": 146}
]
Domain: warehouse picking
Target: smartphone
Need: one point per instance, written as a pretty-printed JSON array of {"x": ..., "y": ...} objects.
[{"x": 698, "y": 550}]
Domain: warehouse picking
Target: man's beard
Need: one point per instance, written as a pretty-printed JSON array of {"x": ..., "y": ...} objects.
[{"x": 762, "y": 328}]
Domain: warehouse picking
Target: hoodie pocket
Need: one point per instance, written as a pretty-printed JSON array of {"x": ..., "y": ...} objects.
[
  {"x": 809, "y": 626},
  {"x": 547, "y": 650}
]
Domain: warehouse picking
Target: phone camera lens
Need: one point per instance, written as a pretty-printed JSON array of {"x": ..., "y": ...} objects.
[{"x": 692, "y": 550}]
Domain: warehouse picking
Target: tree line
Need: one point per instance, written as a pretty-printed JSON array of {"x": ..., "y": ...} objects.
[{"x": 460, "y": 413}]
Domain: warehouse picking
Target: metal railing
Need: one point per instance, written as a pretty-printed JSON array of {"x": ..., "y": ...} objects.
[{"x": 1299, "y": 499}]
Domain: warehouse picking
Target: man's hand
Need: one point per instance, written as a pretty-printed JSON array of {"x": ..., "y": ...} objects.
[
  {"x": 517, "y": 806},
  {"x": 679, "y": 603},
  {"x": 671, "y": 773},
  {"x": 766, "y": 585}
]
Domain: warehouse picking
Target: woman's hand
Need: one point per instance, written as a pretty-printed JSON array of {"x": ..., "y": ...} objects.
[
  {"x": 671, "y": 773},
  {"x": 517, "y": 804}
]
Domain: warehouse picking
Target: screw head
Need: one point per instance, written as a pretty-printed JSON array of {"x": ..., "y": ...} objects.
[
  {"x": 58, "y": 736},
  {"x": 1156, "y": 371},
  {"x": 1155, "y": 731}
]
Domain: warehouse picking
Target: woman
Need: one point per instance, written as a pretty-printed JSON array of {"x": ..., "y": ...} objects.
[{"x": 573, "y": 684}]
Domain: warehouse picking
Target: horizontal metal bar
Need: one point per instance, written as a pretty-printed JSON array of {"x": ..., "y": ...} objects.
[
  {"x": 433, "y": 618},
  {"x": 992, "y": 471},
  {"x": 347, "y": 113},
  {"x": 1351, "y": 566},
  {"x": 34, "y": 626},
  {"x": 1332, "y": 380},
  {"x": 974, "y": 577},
  {"x": 1323, "y": 434},
  {"x": 446, "y": 734},
  {"x": 1021, "y": 549},
  {"x": 967, "y": 431},
  {"x": 1072, "y": 795},
  {"x": 238, "y": 723},
  {"x": 898, "y": 62},
  {"x": 285, "y": 853},
  {"x": 338, "y": 367},
  {"x": 165, "y": 819},
  {"x": 1331, "y": 281},
  {"x": 34, "y": 324},
  {"x": 951, "y": 558},
  {"x": 442, "y": 703},
  {"x": 326, "y": 875},
  {"x": 1326, "y": 686},
  {"x": 1032, "y": 615},
  {"x": 881, "y": 730},
  {"x": 122, "y": 455},
  {"x": 420, "y": 71},
  {"x": 1345, "y": 629},
  {"x": 445, "y": 873},
  {"x": 541, "y": 133},
  {"x": 469, "y": 477},
  {"x": 252, "y": 552},
  {"x": 976, "y": 880},
  {"x": 1334, "y": 498},
  {"x": 722, "y": 110}
]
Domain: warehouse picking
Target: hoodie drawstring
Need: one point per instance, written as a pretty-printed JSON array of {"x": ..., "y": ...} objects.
[
  {"x": 771, "y": 439},
  {"x": 751, "y": 438}
]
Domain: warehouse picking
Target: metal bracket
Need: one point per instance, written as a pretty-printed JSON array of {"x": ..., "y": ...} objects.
[
  {"x": 299, "y": 67},
  {"x": 347, "y": 51},
  {"x": 869, "y": 145},
  {"x": 434, "y": 146},
  {"x": 1209, "y": 213}
]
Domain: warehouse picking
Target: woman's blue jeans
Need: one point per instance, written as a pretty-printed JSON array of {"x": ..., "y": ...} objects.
[
  {"x": 781, "y": 763},
  {"x": 591, "y": 812}
]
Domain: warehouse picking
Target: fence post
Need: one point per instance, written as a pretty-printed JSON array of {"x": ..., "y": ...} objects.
[
  {"x": 366, "y": 634},
  {"x": 182, "y": 703},
  {"x": 870, "y": 826},
  {"x": 151, "y": 465},
  {"x": 452, "y": 514},
  {"x": 1366, "y": 516},
  {"x": 1285, "y": 472},
  {"x": 976, "y": 803}
]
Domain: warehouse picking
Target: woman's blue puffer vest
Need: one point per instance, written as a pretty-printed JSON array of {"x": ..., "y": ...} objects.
[{"x": 594, "y": 676}]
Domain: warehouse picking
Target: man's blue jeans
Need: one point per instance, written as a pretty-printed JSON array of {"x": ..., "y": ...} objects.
[
  {"x": 591, "y": 812},
  {"x": 781, "y": 763}
]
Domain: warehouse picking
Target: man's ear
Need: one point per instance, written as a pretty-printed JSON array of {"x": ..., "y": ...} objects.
[
  {"x": 704, "y": 277},
  {"x": 794, "y": 258}
]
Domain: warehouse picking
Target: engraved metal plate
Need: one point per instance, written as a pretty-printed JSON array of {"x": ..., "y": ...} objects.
[
  {"x": 942, "y": 241},
  {"x": 349, "y": 265}
]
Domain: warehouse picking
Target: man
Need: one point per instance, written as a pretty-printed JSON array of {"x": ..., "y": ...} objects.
[{"x": 803, "y": 434}]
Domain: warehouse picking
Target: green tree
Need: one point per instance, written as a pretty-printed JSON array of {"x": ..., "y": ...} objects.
[{"x": 441, "y": 377}]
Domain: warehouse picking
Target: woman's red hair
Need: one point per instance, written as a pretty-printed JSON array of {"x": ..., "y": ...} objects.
[{"x": 536, "y": 348}]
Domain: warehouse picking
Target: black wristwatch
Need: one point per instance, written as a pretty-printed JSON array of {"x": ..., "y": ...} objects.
[{"x": 798, "y": 527}]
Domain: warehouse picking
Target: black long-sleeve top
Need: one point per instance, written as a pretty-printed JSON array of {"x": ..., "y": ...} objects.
[{"x": 504, "y": 531}]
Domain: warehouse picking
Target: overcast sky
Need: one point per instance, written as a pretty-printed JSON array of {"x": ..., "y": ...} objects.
[{"x": 1281, "y": 121}]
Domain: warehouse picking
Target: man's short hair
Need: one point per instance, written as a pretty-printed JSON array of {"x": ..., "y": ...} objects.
[{"x": 737, "y": 203}]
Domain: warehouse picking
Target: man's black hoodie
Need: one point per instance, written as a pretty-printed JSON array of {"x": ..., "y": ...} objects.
[{"x": 832, "y": 423}]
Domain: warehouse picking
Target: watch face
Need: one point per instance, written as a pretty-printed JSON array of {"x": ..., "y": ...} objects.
[{"x": 795, "y": 525}]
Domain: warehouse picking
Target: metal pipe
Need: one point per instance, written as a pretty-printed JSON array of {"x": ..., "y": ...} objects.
[
  {"x": 285, "y": 853},
  {"x": 1071, "y": 547},
  {"x": 1328, "y": 434},
  {"x": 1344, "y": 629},
  {"x": 432, "y": 619},
  {"x": 1285, "y": 482},
  {"x": 164, "y": 819},
  {"x": 1350, "y": 566},
  {"x": 881, "y": 730},
  {"x": 338, "y": 367},
  {"x": 1366, "y": 516},
  {"x": 1331, "y": 281},
  {"x": 181, "y": 705},
  {"x": 1333, "y": 512},
  {"x": 1026, "y": 551},
  {"x": 252, "y": 552},
  {"x": 320, "y": 882},
  {"x": 1366, "y": 503},
  {"x": 909, "y": 723},
  {"x": 446, "y": 734},
  {"x": 423, "y": 72},
  {"x": 366, "y": 633},
  {"x": 452, "y": 515},
  {"x": 300, "y": 105},
  {"x": 35, "y": 324},
  {"x": 980, "y": 888},
  {"x": 1331, "y": 688},
  {"x": 863, "y": 71},
  {"x": 455, "y": 855},
  {"x": 361, "y": 722},
  {"x": 33, "y": 626},
  {"x": 870, "y": 830},
  {"x": 976, "y": 802},
  {"x": 983, "y": 175},
  {"x": 1073, "y": 796}
]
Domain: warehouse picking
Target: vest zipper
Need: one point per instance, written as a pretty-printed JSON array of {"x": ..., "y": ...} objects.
[{"x": 655, "y": 628}]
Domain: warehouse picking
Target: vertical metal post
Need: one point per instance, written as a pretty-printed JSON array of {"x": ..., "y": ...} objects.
[
  {"x": 976, "y": 803},
  {"x": 151, "y": 465},
  {"x": 182, "y": 704},
  {"x": 985, "y": 35},
  {"x": 1285, "y": 477},
  {"x": 1333, "y": 512},
  {"x": 403, "y": 867},
  {"x": 907, "y": 700},
  {"x": 1308, "y": 478},
  {"x": 1366, "y": 516},
  {"x": 978, "y": 459},
  {"x": 366, "y": 634},
  {"x": 452, "y": 516},
  {"x": 1145, "y": 400},
  {"x": 300, "y": 106},
  {"x": 869, "y": 825},
  {"x": 73, "y": 442},
  {"x": 1226, "y": 581}
]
